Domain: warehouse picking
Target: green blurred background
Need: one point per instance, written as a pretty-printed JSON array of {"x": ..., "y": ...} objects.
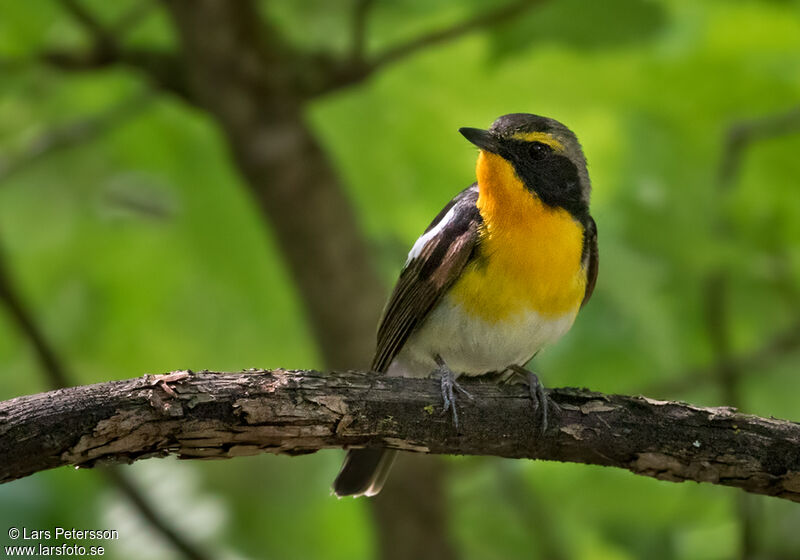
[{"x": 137, "y": 249}]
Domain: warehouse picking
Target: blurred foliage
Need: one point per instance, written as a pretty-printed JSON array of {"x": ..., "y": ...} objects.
[
  {"x": 140, "y": 251},
  {"x": 580, "y": 25}
]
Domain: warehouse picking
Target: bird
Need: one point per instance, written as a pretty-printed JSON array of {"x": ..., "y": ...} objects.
[{"x": 500, "y": 273}]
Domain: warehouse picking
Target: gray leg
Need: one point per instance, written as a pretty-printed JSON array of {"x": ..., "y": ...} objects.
[
  {"x": 538, "y": 399},
  {"x": 449, "y": 383}
]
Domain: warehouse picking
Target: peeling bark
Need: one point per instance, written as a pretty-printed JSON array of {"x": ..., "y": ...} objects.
[{"x": 221, "y": 415}]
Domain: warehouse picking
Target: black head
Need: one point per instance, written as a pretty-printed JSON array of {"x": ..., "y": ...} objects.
[{"x": 545, "y": 155}]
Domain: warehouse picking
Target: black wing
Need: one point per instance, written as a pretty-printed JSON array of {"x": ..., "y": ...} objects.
[
  {"x": 428, "y": 274},
  {"x": 591, "y": 258}
]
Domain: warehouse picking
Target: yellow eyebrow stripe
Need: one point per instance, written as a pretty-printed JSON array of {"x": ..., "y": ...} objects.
[{"x": 542, "y": 137}]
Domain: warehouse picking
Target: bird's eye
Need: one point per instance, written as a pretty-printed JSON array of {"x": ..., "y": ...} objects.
[{"x": 539, "y": 150}]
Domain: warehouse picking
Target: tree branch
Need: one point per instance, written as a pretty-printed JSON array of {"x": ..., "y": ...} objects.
[
  {"x": 717, "y": 288},
  {"x": 145, "y": 508},
  {"x": 133, "y": 17},
  {"x": 780, "y": 345},
  {"x": 739, "y": 136},
  {"x": 361, "y": 11},
  {"x": 9, "y": 297},
  {"x": 74, "y": 133},
  {"x": 255, "y": 86},
  {"x": 742, "y": 133},
  {"x": 163, "y": 69},
  {"x": 57, "y": 376},
  {"x": 355, "y": 69},
  {"x": 222, "y": 415},
  {"x": 87, "y": 20},
  {"x": 480, "y": 21}
]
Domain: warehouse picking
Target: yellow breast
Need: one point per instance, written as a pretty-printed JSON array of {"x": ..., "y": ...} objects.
[{"x": 530, "y": 256}]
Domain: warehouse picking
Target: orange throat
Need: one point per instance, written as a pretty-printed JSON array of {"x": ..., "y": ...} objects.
[{"x": 530, "y": 259}]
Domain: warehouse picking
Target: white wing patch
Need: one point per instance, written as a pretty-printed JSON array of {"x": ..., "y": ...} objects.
[{"x": 427, "y": 236}]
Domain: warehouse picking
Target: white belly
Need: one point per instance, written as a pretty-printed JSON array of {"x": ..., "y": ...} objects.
[{"x": 472, "y": 346}]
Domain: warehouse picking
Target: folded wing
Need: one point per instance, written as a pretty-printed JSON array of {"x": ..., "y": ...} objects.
[{"x": 434, "y": 263}]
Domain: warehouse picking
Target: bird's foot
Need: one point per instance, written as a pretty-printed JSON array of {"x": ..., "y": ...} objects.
[
  {"x": 539, "y": 400},
  {"x": 449, "y": 388}
]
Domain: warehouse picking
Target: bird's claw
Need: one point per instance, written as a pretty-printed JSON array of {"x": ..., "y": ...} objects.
[
  {"x": 539, "y": 400},
  {"x": 449, "y": 388}
]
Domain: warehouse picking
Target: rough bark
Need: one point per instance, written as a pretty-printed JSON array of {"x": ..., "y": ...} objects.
[
  {"x": 718, "y": 305},
  {"x": 57, "y": 375},
  {"x": 222, "y": 415}
]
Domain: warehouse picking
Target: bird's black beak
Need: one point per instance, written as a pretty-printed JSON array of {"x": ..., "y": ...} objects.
[{"x": 484, "y": 139}]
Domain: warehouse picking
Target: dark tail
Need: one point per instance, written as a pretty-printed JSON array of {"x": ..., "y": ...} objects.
[{"x": 363, "y": 472}]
